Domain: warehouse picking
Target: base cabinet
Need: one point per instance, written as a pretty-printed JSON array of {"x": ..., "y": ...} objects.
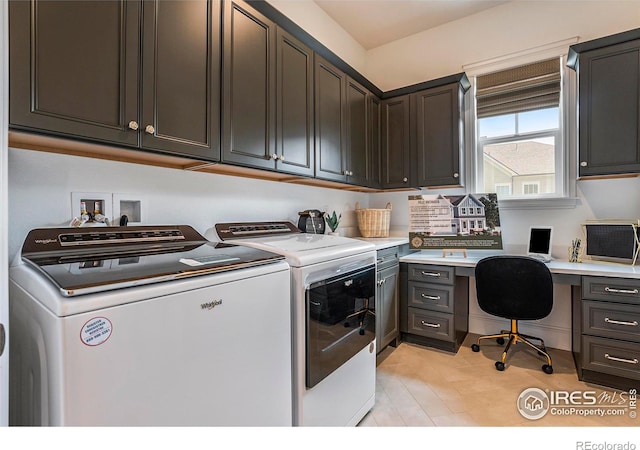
[
  {"x": 606, "y": 331},
  {"x": 434, "y": 306},
  {"x": 387, "y": 323}
]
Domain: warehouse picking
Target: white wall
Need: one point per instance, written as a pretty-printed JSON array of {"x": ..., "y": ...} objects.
[
  {"x": 496, "y": 32},
  {"x": 40, "y": 187},
  {"x": 316, "y": 22}
]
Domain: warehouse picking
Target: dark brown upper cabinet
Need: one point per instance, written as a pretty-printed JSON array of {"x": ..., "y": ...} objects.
[
  {"x": 76, "y": 71},
  {"x": 358, "y": 158},
  {"x": 294, "y": 106},
  {"x": 181, "y": 77},
  {"x": 342, "y": 126},
  {"x": 609, "y": 104},
  {"x": 73, "y": 68},
  {"x": 438, "y": 114},
  {"x": 248, "y": 87},
  {"x": 375, "y": 142},
  {"x": 330, "y": 121},
  {"x": 267, "y": 94},
  {"x": 422, "y": 134},
  {"x": 396, "y": 143}
]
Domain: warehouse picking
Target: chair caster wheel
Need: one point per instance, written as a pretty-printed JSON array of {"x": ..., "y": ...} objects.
[
  {"x": 500, "y": 341},
  {"x": 546, "y": 368},
  {"x": 499, "y": 366},
  {"x": 361, "y": 332},
  {"x": 475, "y": 347}
]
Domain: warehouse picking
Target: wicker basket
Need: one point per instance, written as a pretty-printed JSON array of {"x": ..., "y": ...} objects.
[{"x": 374, "y": 222}]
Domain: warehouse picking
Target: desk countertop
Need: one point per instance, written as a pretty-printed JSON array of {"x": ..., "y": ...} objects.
[{"x": 557, "y": 266}]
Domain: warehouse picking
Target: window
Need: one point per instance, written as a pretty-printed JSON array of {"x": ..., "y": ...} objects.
[
  {"x": 518, "y": 123},
  {"x": 530, "y": 188}
]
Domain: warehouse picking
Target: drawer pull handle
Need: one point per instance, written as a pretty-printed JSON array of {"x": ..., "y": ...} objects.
[
  {"x": 618, "y": 322},
  {"x": 431, "y": 274},
  {"x": 628, "y": 361},
  {"x": 430, "y": 297},
  {"x": 621, "y": 291},
  {"x": 432, "y": 325}
]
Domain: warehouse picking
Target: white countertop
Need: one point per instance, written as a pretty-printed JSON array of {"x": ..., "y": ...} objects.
[
  {"x": 387, "y": 242},
  {"x": 557, "y": 266}
]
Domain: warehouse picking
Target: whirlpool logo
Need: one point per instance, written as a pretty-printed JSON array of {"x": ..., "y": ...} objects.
[{"x": 210, "y": 305}]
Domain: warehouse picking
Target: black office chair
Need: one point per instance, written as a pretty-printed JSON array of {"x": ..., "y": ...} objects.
[{"x": 515, "y": 288}]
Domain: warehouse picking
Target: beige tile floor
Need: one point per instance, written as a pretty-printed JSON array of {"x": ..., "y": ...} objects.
[{"x": 424, "y": 387}]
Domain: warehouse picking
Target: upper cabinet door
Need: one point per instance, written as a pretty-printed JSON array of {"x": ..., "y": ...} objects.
[
  {"x": 438, "y": 133},
  {"x": 330, "y": 100},
  {"x": 74, "y": 68},
  {"x": 609, "y": 110},
  {"x": 375, "y": 140},
  {"x": 358, "y": 164},
  {"x": 248, "y": 87},
  {"x": 294, "y": 98},
  {"x": 396, "y": 143},
  {"x": 181, "y": 77}
]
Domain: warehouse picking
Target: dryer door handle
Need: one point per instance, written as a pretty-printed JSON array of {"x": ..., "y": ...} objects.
[{"x": 2, "y": 339}]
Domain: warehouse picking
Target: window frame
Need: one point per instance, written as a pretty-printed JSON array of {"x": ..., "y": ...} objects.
[{"x": 566, "y": 164}]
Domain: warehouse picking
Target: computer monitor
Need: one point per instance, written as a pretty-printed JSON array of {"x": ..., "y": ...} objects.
[{"x": 540, "y": 242}]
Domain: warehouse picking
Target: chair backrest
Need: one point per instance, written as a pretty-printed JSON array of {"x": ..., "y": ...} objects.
[{"x": 514, "y": 287}]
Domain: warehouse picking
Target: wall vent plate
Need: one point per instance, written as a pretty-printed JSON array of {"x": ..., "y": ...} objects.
[{"x": 131, "y": 205}]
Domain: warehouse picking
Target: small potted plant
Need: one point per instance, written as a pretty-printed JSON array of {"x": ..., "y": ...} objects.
[{"x": 333, "y": 221}]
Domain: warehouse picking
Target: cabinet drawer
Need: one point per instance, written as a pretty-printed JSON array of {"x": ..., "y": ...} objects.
[
  {"x": 431, "y": 296},
  {"x": 611, "y": 289},
  {"x": 613, "y": 320},
  {"x": 431, "y": 274},
  {"x": 387, "y": 257},
  {"x": 610, "y": 356},
  {"x": 431, "y": 324}
]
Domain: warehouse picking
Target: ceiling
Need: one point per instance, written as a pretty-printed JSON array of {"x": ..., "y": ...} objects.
[{"x": 389, "y": 20}]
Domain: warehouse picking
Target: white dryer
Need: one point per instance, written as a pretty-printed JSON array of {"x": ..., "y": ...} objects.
[{"x": 333, "y": 302}]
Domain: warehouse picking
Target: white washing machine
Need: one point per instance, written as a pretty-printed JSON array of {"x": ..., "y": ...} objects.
[
  {"x": 333, "y": 302},
  {"x": 148, "y": 326}
]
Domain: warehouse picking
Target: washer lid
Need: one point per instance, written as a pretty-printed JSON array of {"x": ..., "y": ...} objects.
[{"x": 82, "y": 261}]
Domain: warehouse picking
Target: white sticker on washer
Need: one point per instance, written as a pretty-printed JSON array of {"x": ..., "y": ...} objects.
[{"x": 96, "y": 331}]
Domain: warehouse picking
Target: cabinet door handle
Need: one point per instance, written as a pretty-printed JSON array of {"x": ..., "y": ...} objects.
[
  {"x": 621, "y": 291},
  {"x": 583, "y": 164},
  {"x": 405, "y": 179},
  {"x": 315, "y": 303},
  {"x": 274, "y": 156},
  {"x": 2, "y": 339},
  {"x": 149, "y": 129},
  {"x": 133, "y": 125},
  {"x": 430, "y": 297},
  {"x": 624, "y": 360},
  {"x": 456, "y": 175},
  {"x": 432, "y": 325},
  {"x": 618, "y": 322},
  {"x": 281, "y": 157},
  {"x": 431, "y": 274}
]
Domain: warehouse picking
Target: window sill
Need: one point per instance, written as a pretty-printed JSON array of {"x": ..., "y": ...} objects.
[{"x": 539, "y": 203}]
